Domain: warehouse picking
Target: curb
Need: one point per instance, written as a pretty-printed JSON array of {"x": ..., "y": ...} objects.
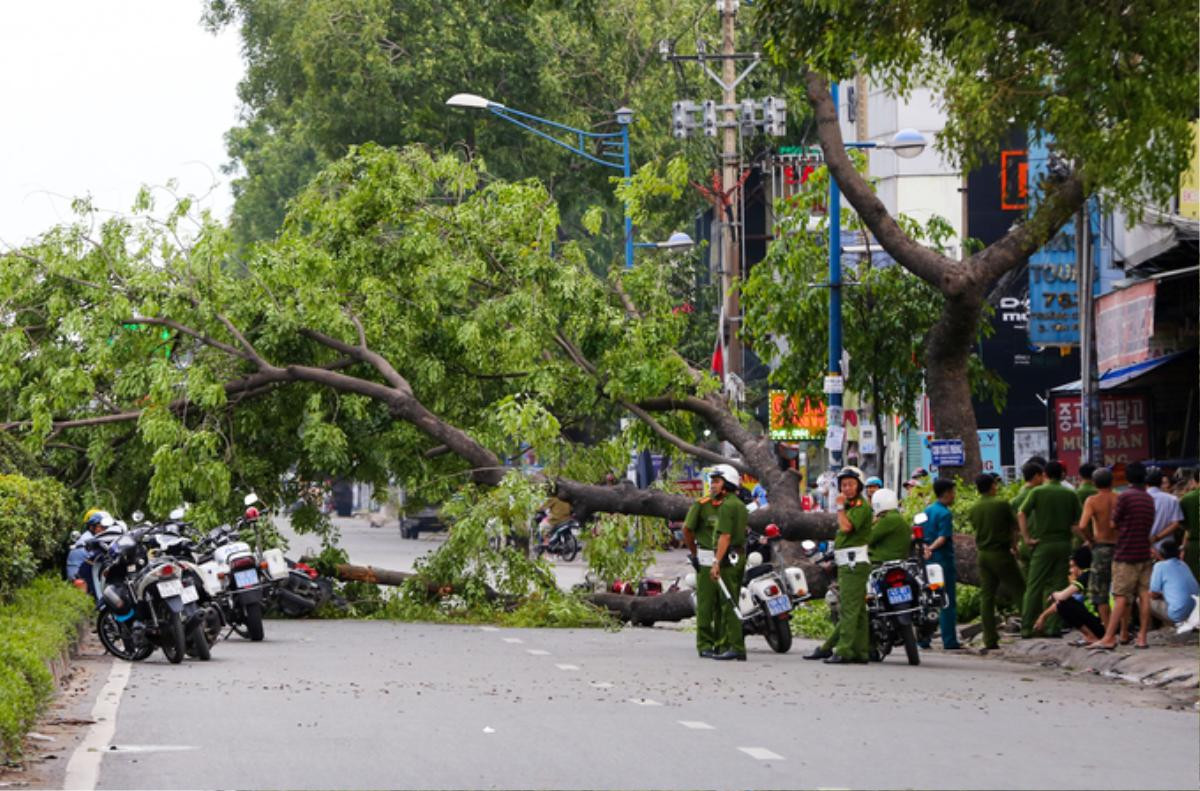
[{"x": 1168, "y": 664}]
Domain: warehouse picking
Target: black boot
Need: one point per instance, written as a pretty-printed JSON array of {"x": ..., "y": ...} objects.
[
  {"x": 730, "y": 654},
  {"x": 819, "y": 653}
]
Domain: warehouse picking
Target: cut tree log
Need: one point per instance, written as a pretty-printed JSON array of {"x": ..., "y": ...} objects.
[
  {"x": 350, "y": 573},
  {"x": 646, "y": 610}
]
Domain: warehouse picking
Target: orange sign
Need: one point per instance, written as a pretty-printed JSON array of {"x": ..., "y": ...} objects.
[{"x": 792, "y": 419}]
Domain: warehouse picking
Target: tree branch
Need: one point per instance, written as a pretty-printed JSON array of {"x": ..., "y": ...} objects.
[{"x": 192, "y": 333}]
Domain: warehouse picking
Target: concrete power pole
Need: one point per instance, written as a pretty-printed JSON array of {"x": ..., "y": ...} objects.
[{"x": 737, "y": 120}]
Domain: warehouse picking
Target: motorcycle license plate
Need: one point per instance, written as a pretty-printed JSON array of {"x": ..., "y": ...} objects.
[
  {"x": 190, "y": 594},
  {"x": 778, "y": 605},
  {"x": 245, "y": 579},
  {"x": 901, "y": 595},
  {"x": 170, "y": 588}
]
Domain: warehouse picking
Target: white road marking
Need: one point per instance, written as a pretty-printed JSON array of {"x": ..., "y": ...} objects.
[
  {"x": 696, "y": 725},
  {"x": 489, "y": 729},
  {"x": 644, "y": 702},
  {"x": 761, "y": 753},
  {"x": 83, "y": 770},
  {"x": 567, "y": 667},
  {"x": 537, "y": 652},
  {"x": 513, "y": 640},
  {"x": 488, "y": 629},
  {"x": 150, "y": 748},
  {"x": 602, "y": 684}
]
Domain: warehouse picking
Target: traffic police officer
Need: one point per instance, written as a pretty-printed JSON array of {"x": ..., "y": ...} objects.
[
  {"x": 891, "y": 536},
  {"x": 850, "y": 640},
  {"x": 715, "y": 533}
]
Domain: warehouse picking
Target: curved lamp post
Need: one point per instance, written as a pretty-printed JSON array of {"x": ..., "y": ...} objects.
[{"x": 907, "y": 144}]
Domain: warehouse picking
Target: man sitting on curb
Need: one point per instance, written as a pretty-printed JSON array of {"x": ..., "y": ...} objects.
[{"x": 1172, "y": 585}]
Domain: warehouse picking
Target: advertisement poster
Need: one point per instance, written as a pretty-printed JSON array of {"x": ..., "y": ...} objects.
[
  {"x": 989, "y": 449},
  {"x": 1125, "y": 325},
  {"x": 1028, "y": 442},
  {"x": 1124, "y": 429}
]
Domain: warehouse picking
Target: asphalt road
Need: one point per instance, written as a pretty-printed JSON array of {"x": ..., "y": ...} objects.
[{"x": 387, "y": 705}]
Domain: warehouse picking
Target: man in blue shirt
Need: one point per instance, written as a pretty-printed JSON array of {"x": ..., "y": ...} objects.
[
  {"x": 1172, "y": 585},
  {"x": 939, "y": 537}
]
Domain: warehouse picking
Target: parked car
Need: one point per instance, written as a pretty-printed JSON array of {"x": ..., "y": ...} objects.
[{"x": 425, "y": 519}]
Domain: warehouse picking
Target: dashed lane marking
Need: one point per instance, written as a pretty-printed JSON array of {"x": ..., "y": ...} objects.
[
  {"x": 644, "y": 702},
  {"x": 488, "y": 629},
  {"x": 513, "y": 640},
  {"x": 696, "y": 725},
  {"x": 567, "y": 667},
  {"x": 537, "y": 652},
  {"x": 602, "y": 684},
  {"x": 761, "y": 753}
]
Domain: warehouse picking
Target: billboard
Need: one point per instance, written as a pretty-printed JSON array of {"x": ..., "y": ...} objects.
[
  {"x": 1124, "y": 326},
  {"x": 1124, "y": 429},
  {"x": 792, "y": 419},
  {"x": 1189, "y": 182}
]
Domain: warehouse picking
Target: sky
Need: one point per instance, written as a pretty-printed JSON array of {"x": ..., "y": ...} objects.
[{"x": 100, "y": 97}]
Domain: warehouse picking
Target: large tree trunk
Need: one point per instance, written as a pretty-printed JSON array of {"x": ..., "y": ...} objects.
[
  {"x": 646, "y": 610},
  {"x": 947, "y": 350}
]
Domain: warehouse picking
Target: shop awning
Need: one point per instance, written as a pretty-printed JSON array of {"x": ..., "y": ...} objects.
[{"x": 1119, "y": 376}]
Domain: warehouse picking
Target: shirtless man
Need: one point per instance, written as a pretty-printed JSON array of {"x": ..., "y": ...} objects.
[{"x": 1096, "y": 529}]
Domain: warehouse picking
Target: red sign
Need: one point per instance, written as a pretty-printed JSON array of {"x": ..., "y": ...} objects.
[
  {"x": 1124, "y": 429},
  {"x": 1124, "y": 325},
  {"x": 791, "y": 420},
  {"x": 1014, "y": 180}
]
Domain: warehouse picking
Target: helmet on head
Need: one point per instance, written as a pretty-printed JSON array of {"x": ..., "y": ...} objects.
[
  {"x": 884, "y": 500},
  {"x": 850, "y": 472},
  {"x": 728, "y": 474},
  {"x": 97, "y": 518},
  {"x": 772, "y": 531},
  {"x": 251, "y": 513},
  {"x": 92, "y": 512},
  {"x": 874, "y": 481}
]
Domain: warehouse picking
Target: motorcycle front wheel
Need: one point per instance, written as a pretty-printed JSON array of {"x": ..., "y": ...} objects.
[
  {"x": 118, "y": 640},
  {"x": 779, "y": 635},
  {"x": 910, "y": 643},
  {"x": 174, "y": 644},
  {"x": 570, "y": 547}
]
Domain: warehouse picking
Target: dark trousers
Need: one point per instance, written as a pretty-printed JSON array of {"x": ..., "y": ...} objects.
[{"x": 1074, "y": 613}]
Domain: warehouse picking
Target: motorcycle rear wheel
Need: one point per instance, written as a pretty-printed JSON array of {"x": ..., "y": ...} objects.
[
  {"x": 779, "y": 635},
  {"x": 119, "y": 642},
  {"x": 198, "y": 643},
  {"x": 174, "y": 643},
  {"x": 910, "y": 643},
  {"x": 254, "y": 621}
]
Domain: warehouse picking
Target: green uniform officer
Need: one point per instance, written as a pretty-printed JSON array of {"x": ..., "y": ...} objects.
[
  {"x": 995, "y": 525},
  {"x": 715, "y": 532},
  {"x": 851, "y": 640},
  {"x": 1034, "y": 475},
  {"x": 891, "y": 535},
  {"x": 1083, "y": 491},
  {"x": 1190, "y": 505},
  {"x": 1058, "y": 511}
]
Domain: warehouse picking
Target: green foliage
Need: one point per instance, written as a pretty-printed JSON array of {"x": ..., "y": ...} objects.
[
  {"x": 965, "y": 497},
  {"x": 622, "y": 547},
  {"x": 1113, "y": 84},
  {"x": 811, "y": 620},
  {"x": 886, "y": 310},
  {"x": 36, "y": 519},
  {"x": 966, "y": 602},
  {"x": 36, "y": 625}
]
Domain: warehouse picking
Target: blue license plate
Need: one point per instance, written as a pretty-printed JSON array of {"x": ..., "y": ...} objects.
[
  {"x": 901, "y": 595},
  {"x": 778, "y": 605}
]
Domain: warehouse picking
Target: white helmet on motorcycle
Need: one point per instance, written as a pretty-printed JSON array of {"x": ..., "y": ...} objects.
[
  {"x": 884, "y": 500},
  {"x": 727, "y": 473}
]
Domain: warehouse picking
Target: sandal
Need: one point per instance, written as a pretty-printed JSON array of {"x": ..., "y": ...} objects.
[
  {"x": 1103, "y": 647},
  {"x": 1147, "y": 645},
  {"x": 1079, "y": 643}
]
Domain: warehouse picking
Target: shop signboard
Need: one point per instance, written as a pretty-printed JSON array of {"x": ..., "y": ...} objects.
[
  {"x": 1124, "y": 429},
  {"x": 1125, "y": 325},
  {"x": 793, "y": 418},
  {"x": 989, "y": 449}
]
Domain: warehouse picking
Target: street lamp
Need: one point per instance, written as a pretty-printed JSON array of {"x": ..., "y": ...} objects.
[
  {"x": 676, "y": 241},
  {"x": 907, "y": 143},
  {"x": 614, "y": 146}
]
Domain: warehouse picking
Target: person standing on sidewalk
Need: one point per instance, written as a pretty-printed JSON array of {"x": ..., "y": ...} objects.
[
  {"x": 995, "y": 525},
  {"x": 1132, "y": 567},
  {"x": 1058, "y": 512},
  {"x": 939, "y": 540},
  {"x": 1034, "y": 473},
  {"x": 850, "y": 643},
  {"x": 1168, "y": 516},
  {"x": 1096, "y": 529},
  {"x": 715, "y": 533},
  {"x": 1189, "y": 503}
]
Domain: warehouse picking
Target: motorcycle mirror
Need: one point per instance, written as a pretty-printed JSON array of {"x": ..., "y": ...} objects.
[
  {"x": 107, "y": 521},
  {"x": 808, "y": 545},
  {"x": 75, "y": 534},
  {"x": 920, "y": 518},
  {"x": 250, "y": 499},
  {"x": 754, "y": 559},
  {"x": 138, "y": 516}
]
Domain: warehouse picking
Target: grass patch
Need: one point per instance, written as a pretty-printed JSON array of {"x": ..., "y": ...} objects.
[
  {"x": 811, "y": 620},
  {"x": 37, "y": 623}
]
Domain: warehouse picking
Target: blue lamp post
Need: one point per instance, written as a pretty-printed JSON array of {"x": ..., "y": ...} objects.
[
  {"x": 613, "y": 153},
  {"x": 907, "y": 143}
]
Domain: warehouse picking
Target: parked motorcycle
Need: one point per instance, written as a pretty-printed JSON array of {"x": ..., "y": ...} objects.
[
  {"x": 563, "y": 540},
  {"x": 904, "y": 598},
  {"x": 146, "y": 603}
]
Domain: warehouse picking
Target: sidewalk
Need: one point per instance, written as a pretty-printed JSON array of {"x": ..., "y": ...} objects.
[{"x": 1172, "y": 661}]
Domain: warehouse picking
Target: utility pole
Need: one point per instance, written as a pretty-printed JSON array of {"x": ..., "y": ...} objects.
[
  {"x": 737, "y": 120},
  {"x": 1089, "y": 411}
]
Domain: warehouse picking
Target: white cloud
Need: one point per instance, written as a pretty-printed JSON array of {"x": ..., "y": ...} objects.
[{"x": 102, "y": 97}]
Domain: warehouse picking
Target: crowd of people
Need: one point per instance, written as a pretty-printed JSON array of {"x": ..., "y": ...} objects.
[{"x": 1079, "y": 556}]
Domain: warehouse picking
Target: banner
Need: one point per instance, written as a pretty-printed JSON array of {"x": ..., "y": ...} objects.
[
  {"x": 1124, "y": 326},
  {"x": 1124, "y": 429}
]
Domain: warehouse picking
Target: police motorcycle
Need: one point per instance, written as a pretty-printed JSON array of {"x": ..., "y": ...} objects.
[
  {"x": 768, "y": 594},
  {"x": 238, "y": 576},
  {"x": 172, "y": 539},
  {"x": 904, "y": 599},
  {"x": 145, "y": 601}
]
